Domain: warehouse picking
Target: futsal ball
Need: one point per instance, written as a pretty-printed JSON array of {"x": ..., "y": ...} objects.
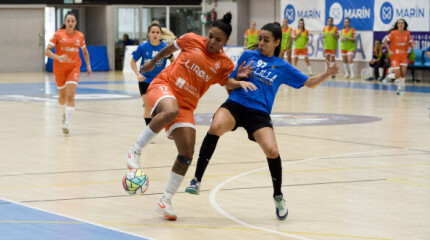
[{"x": 135, "y": 182}]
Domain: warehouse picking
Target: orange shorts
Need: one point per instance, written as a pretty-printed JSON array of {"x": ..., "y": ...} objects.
[
  {"x": 399, "y": 60},
  {"x": 159, "y": 90},
  {"x": 302, "y": 52},
  {"x": 329, "y": 52},
  {"x": 65, "y": 77},
  {"x": 344, "y": 52}
]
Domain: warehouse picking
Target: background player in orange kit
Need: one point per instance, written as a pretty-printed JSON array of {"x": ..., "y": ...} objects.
[
  {"x": 67, "y": 64},
  {"x": 400, "y": 40},
  {"x": 174, "y": 94}
]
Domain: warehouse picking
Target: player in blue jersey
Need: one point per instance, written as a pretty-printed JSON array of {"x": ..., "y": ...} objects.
[
  {"x": 147, "y": 51},
  {"x": 250, "y": 108}
]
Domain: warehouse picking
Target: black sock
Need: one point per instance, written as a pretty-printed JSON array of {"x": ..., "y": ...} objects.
[
  {"x": 275, "y": 167},
  {"x": 205, "y": 155},
  {"x": 147, "y": 121}
]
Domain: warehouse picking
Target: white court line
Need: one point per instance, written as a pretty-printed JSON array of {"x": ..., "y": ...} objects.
[
  {"x": 213, "y": 193},
  {"x": 77, "y": 219}
]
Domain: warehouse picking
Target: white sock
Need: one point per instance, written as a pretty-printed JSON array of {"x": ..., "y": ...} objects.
[
  {"x": 401, "y": 83},
  {"x": 310, "y": 70},
  {"x": 173, "y": 184},
  {"x": 69, "y": 114},
  {"x": 145, "y": 137},
  {"x": 345, "y": 68},
  {"x": 63, "y": 109},
  {"x": 351, "y": 68},
  {"x": 381, "y": 72}
]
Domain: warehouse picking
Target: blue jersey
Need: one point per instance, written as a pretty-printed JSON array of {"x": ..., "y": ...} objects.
[
  {"x": 147, "y": 52},
  {"x": 268, "y": 74}
]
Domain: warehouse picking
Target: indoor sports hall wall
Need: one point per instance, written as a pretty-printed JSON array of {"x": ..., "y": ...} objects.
[{"x": 366, "y": 17}]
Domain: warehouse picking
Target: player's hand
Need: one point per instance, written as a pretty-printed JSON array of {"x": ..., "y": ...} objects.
[
  {"x": 244, "y": 71},
  {"x": 247, "y": 85},
  {"x": 62, "y": 58},
  {"x": 333, "y": 69},
  {"x": 147, "y": 67},
  {"x": 141, "y": 78},
  {"x": 89, "y": 71}
]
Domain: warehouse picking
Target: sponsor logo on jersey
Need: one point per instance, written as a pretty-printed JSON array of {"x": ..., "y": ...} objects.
[{"x": 197, "y": 70}]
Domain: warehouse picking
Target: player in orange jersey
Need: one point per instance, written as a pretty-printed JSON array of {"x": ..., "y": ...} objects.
[
  {"x": 67, "y": 64},
  {"x": 400, "y": 41},
  {"x": 174, "y": 94}
]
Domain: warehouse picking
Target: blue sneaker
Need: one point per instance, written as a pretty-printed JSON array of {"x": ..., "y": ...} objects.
[
  {"x": 281, "y": 208},
  {"x": 194, "y": 187}
]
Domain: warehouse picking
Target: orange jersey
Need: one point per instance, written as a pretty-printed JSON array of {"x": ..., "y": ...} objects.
[
  {"x": 67, "y": 43},
  {"x": 399, "y": 42},
  {"x": 195, "y": 69}
]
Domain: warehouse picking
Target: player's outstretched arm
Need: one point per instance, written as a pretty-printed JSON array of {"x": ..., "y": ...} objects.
[
  {"x": 148, "y": 66},
  {"x": 332, "y": 70}
]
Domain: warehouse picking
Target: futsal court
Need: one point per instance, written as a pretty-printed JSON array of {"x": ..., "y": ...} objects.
[{"x": 356, "y": 165}]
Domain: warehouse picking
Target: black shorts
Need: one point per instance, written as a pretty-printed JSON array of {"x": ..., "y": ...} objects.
[
  {"x": 248, "y": 118},
  {"x": 143, "y": 87}
]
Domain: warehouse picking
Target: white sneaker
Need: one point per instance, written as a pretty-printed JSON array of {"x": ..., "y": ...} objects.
[
  {"x": 164, "y": 207},
  {"x": 66, "y": 127},
  {"x": 352, "y": 75},
  {"x": 346, "y": 75},
  {"x": 133, "y": 159},
  {"x": 281, "y": 207}
]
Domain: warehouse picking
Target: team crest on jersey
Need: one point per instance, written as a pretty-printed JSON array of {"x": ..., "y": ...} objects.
[
  {"x": 197, "y": 49},
  {"x": 217, "y": 66}
]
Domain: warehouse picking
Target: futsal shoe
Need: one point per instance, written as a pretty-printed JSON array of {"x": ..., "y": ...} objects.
[
  {"x": 281, "y": 207},
  {"x": 352, "y": 76},
  {"x": 133, "y": 159},
  {"x": 66, "y": 127},
  {"x": 346, "y": 76},
  {"x": 164, "y": 207},
  {"x": 194, "y": 187}
]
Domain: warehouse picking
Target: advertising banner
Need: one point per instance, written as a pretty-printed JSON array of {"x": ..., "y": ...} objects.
[
  {"x": 360, "y": 13},
  {"x": 363, "y": 47},
  {"x": 312, "y": 12},
  {"x": 415, "y": 13}
]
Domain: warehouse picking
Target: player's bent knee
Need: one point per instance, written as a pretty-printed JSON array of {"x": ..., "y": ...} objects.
[
  {"x": 272, "y": 153},
  {"x": 184, "y": 160}
]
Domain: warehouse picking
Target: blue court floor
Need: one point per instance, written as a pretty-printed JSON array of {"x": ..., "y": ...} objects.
[{"x": 19, "y": 222}]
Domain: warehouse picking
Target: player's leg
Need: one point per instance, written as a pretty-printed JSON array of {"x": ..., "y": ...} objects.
[
  {"x": 345, "y": 64},
  {"x": 184, "y": 138},
  {"x": 60, "y": 80},
  {"x": 308, "y": 64},
  {"x": 70, "y": 105},
  {"x": 222, "y": 122},
  {"x": 350, "y": 55},
  {"x": 165, "y": 109},
  {"x": 402, "y": 80},
  {"x": 296, "y": 56},
  {"x": 265, "y": 137},
  {"x": 143, "y": 88},
  {"x": 72, "y": 80},
  {"x": 289, "y": 53},
  {"x": 333, "y": 60}
]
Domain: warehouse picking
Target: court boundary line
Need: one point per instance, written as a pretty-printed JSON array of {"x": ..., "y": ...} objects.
[
  {"x": 217, "y": 188},
  {"x": 77, "y": 219}
]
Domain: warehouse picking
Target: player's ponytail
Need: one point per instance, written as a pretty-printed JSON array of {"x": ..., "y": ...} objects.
[
  {"x": 68, "y": 13},
  {"x": 224, "y": 24},
  {"x": 276, "y": 31}
]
